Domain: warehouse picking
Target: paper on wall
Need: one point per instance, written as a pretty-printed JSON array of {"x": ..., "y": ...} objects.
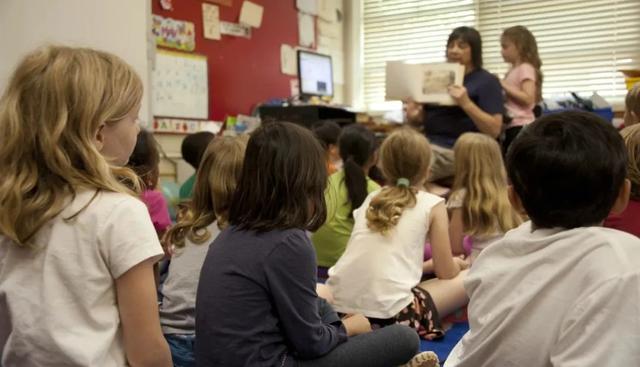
[
  {"x": 306, "y": 30},
  {"x": 288, "y": 61},
  {"x": 327, "y": 10},
  {"x": 235, "y": 29},
  {"x": 328, "y": 29},
  {"x": 307, "y": 6},
  {"x": 211, "y": 21},
  {"x": 294, "y": 85},
  {"x": 251, "y": 14}
]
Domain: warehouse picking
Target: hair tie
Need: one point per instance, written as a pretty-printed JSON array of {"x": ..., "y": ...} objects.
[{"x": 403, "y": 182}]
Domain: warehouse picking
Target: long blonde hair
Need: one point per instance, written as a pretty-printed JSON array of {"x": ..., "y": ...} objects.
[
  {"x": 216, "y": 181},
  {"x": 631, "y": 137},
  {"x": 404, "y": 155},
  {"x": 479, "y": 170},
  {"x": 527, "y": 47},
  {"x": 50, "y": 114}
]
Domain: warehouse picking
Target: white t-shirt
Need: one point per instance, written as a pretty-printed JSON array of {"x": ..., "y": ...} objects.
[
  {"x": 554, "y": 297},
  {"x": 376, "y": 273},
  {"x": 178, "y": 309},
  {"x": 58, "y": 302}
]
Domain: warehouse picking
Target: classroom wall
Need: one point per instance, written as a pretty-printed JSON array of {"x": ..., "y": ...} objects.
[
  {"x": 243, "y": 72},
  {"x": 118, "y": 26}
]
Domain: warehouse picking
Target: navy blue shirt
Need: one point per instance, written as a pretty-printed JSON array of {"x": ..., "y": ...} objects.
[
  {"x": 444, "y": 124},
  {"x": 257, "y": 304}
]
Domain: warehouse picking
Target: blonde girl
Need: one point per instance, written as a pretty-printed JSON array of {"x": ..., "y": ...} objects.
[
  {"x": 627, "y": 220},
  {"x": 523, "y": 82},
  {"x": 379, "y": 273},
  {"x": 77, "y": 247},
  {"x": 479, "y": 205},
  {"x": 206, "y": 216}
]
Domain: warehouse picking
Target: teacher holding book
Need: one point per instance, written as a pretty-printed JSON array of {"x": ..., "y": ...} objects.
[{"x": 479, "y": 104}]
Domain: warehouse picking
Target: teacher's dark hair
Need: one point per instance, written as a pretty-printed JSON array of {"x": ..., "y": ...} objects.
[
  {"x": 472, "y": 37},
  {"x": 282, "y": 182}
]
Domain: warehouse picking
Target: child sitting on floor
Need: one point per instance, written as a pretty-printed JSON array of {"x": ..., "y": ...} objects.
[
  {"x": 380, "y": 271},
  {"x": 560, "y": 290}
]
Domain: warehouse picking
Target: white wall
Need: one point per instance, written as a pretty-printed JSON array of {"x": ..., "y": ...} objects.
[{"x": 117, "y": 26}]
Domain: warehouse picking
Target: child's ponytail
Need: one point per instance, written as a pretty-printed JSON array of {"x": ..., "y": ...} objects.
[
  {"x": 405, "y": 156},
  {"x": 386, "y": 208},
  {"x": 357, "y": 145}
]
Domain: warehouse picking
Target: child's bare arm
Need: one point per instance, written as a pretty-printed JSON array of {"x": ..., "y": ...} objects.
[
  {"x": 524, "y": 95},
  {"x": 144, "y": 343},
  {"x": 456, "y": 231},
  {"x": 443, "y": 263}
]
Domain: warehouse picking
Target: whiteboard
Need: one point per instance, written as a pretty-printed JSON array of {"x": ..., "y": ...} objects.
[{"x": 180, "y": 85}]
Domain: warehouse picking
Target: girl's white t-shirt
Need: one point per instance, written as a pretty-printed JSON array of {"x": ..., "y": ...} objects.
[
  {"x": 376, "y": 273},
  {"x": 58, "y": 303}
]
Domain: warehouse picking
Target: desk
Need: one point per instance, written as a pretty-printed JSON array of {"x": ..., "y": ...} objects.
[{"x": 306, "y": 115}]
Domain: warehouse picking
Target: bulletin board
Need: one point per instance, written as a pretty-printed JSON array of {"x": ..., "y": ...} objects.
[{"x": 180, "y": 85}]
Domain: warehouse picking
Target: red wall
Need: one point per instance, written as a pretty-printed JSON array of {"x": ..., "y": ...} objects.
[{"x": 242, "y": 72}]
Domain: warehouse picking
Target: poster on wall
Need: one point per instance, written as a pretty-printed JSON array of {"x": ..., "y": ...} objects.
[
  {"x": 235, "y": 29},
  {"x": 211, "y": 21},
  {"x": 180, "y": 85},
  {"x": 173, "y": 33}
]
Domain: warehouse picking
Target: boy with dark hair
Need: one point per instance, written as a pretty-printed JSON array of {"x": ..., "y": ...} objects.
[
  {"x": 559, "y": 290},
  {"x": 327, "y": 132},
  {"x": 193, "y": 147}
]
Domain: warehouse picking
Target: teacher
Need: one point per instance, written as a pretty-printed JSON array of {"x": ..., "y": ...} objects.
[{"x": 479, "y": 103}]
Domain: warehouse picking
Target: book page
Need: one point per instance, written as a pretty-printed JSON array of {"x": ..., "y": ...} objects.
[{"x": 424, "y": 83}]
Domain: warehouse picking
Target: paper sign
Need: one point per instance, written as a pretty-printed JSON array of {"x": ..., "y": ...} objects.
[
  {"x": 307, "y": 6},
  {"x": 288, "y": 62},
  {"x": 327, "y": 10},
  {"x": 306, "y": 30},
  {"x": 294, "y": 84},
  {"x": 211, "y": 21},
  {"x": 251, "y": 14},
  {"x": 174, "y": 33},
  {"x": 235, "y": 29}
]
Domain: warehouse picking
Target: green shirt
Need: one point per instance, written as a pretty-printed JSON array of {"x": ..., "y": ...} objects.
[
  {"x": 186, "y": 190},
  {"x": 331, "y": 239}
]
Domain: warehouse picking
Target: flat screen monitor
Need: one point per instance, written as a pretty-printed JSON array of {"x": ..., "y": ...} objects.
[{"x": 315, "y": 74}]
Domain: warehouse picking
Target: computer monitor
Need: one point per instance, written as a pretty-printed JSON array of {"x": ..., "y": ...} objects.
[{"x": 315, "y": 74}]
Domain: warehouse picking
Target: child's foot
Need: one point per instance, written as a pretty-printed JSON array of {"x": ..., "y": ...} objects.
[{"x": 424, "y": 359}]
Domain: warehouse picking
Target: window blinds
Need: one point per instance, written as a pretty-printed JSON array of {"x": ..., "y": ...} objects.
[
  {"x": 406, "y": 30},
  {"x": 582, "y": 43}
]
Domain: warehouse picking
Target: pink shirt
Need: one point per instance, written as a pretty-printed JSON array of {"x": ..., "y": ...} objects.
[
  {"x": 521, "y": 115},
  {"x": 158, "y": 210}
]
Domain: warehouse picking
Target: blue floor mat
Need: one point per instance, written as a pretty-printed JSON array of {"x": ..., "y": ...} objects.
[{"x": 444, "y": 346}]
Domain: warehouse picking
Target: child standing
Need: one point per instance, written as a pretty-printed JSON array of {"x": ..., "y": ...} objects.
[
  {"x": 628, "y": 220},
  {"x": 479, "y": 205},
  {"x": 346, "y": 191},
  {"x": 523, "y": 82},
  {"x": 559, "y": 290},
  {"x": 145, "y": 161},
  {"x": 256, "y": 303},
  {"x": 207, "y": 215},
  {"x": 379, "y": 273},
  {"x": 76, "y": 246}
]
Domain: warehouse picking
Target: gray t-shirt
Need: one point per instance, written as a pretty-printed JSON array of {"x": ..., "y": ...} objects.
[{"x": 178, "y": 308}]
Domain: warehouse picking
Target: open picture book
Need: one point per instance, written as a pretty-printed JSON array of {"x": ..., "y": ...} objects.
[{"x": 424, "y": 83}]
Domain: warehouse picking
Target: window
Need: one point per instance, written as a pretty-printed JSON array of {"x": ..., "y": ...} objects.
[
  {"x": 406, "y": 30},
  {"x": 582, "y": 44}
]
